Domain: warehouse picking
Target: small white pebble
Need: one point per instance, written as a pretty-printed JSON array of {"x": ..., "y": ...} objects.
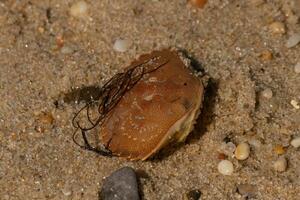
[
  {"x": 296, "y": 142},
  {"x": 280, "y": 164},
  {"x": 228, "y": 148},
  {"x": 293, "y": 40},
  {"x": 225, "y": 167},
  {"x": 295, "y": 104},
  {"x": 121, "y": 45},
  {"x": 242, "y": 151},
  {"x": 267, "y": 93},
  {"x": 297, "y": 68},
  {"x": 79, "y": 9},
  {"x": 277, "y": 27}
]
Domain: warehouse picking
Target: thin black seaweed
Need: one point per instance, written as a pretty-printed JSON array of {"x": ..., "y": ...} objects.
[{"x": 110, "y": 95}]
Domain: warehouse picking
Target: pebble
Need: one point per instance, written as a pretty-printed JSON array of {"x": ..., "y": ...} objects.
[
  {"x": 228, "y": 148},
  {"x": 266, "y": 55},
  {"x": 296, "y": 142},
  {"x": 293, "y": 40},
  {"x": 221, "y": 156},
  {"x": 121, "y": 45},
  {"x": 267, "y": 93},
  {"x": 297, "y": 68},
  {"x": 225, "y": 167},
  {"x": 279, "y": 149},
  {"x": 192, "y": 195},
  {"x": 246, "y": 190},
  {"x": 295, "y": 104},
  {"x": 79, "y": 9},
  {"x": 46, "y": 118},
  {"x": 198, "y": 3},
  {"x": 255, "y": 142},
  {"x": 242, "y": 151},
  {"x": 280, "y": 164},
  {"x": 41, "y": 29},
  {"x": 60, "y": 41},
  {"x": 121, "y": 184},
  {"x": 277, "y": 28}
]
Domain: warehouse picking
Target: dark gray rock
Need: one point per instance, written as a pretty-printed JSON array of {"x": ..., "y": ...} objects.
[{"x": 120, "y": 185}]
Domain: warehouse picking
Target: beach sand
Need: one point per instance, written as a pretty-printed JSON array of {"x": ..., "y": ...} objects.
[{"x": 44, "y": 52}]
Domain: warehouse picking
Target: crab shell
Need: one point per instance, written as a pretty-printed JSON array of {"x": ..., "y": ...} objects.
[{"x": 160, "y": 108}]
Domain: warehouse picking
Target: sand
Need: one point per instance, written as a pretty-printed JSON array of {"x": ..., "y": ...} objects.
[{"x": 44, "y": 52}]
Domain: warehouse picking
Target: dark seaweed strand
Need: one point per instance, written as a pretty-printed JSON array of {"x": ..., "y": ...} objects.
[{"x": 111, "y": 94}]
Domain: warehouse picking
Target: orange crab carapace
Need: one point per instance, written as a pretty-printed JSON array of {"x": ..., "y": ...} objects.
[{"x": 161, "y": 107}]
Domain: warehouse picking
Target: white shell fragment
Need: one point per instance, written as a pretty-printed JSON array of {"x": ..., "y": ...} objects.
[
  {"x": 296, "y": 142},
  {"x": 280, "y": 164},
  {"x": 293, "y": 40},
  {"x": 225, "y": 167},
  {"x": 242, "y": 151},
  {"x": 121, "y": 45}
]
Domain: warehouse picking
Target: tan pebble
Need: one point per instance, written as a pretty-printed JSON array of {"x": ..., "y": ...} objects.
[
  {"x": 280, "y": 164},
  {"x": 225, "y": 167},
  {"x": 266, "y": 55},
  {"x": 295, "y": 104},
  {"x": 267, "y": 93},
  {"x": 242, "y": 151},
  {"x": 296, "y": 142},
  {"x": 46, "y": 118},
  {"x": 41, "y": 29},
  {"x": 279, "y": 149},
  {"x": 79, "y": 9},
  {"x": 277, "y": 28}
]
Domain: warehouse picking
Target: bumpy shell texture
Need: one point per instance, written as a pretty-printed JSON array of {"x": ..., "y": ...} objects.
[{"x": 160, "y": 108}]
